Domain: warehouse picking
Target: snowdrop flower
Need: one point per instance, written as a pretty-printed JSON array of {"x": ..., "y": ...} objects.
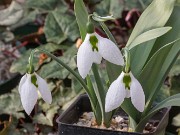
[
  {"x": 28, "y": 86},
  {"x": 125, "y": 86},
  {"x": 93, "y": 49}
]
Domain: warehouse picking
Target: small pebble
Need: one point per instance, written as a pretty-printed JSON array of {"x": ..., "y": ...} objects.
[
  {"x": 118, "y": 123},
  {"x": 119, "y": 119}
]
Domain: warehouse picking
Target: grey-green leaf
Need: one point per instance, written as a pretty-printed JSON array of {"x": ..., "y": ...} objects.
[
  {"x": 81, "y": 17},
  {"x": 148, "y": 35},
  {"x": 171, "y": 101},
  {"x": 155, "y": 16},
  {"x": 158, "y": 67}
]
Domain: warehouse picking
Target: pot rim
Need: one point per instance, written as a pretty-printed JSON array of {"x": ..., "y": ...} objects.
[{"x": 108, "y": 130}]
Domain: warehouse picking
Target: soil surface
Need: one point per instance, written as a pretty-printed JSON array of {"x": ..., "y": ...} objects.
[{"x": 118, "y": 123}]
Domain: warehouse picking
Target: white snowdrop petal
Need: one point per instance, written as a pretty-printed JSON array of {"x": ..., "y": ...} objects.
[
  {"x": 85, "y": 57},
  {"x": 128, "y": 95},
  {"x": 23, "y": 79},
  {"x": 137, "y": 94},
  {"x": 97, "y": 58},
  {"x": 110, "y": 51},
  {"x": 28, "y": 95},
  {"x": 43, "y": 89},
  {"x": 115, "y": 95}
]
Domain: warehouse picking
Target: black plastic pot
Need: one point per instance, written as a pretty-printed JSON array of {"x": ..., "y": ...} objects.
[
  {"x": 8, "y": 85},
  {"x": 82, "y": 104}
]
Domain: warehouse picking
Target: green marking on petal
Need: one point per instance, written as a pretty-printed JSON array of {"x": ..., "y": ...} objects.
[
  {"x": 127, "y": 81},
  {"x": 93, "y": 40},
  {"x": 34, "y": 80}
]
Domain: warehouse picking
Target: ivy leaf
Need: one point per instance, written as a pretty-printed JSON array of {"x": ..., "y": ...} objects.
[
  {"x": 107, "y": 7},
  {"x": 27, "y": 18},
  {"x": 42, "y": 119},
  {"x": 42, "y": 4},
  {"x": 75, "y": 85},
  {"x": 11, "y": 104},
  {"x": 12, "y": 14},
  {"x": 60, "y": 26},
  {"x": 54, "y": 70},
  {"x": 20, "y": 64}
]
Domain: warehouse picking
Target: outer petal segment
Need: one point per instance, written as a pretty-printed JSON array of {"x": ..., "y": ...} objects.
[
  {"x": 115, "y": 95},
  {"x": 110, "y": 51},
  {"x": 137, "y": 94},
  {"x": 28, "y": 95},
  {"x": 43, "y": 89},
  {"x": 22, "y": 81},
  {"x": 85, "y": 57}
]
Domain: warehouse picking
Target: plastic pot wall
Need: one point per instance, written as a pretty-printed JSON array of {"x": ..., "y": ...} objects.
[{"x": 82, "y": 104}]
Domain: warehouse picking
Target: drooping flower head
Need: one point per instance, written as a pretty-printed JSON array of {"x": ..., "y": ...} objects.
[
  {"x": 29, "y": 84},
  {"x": 125, "y": 86},
  {"x": 93, "y": 49}
]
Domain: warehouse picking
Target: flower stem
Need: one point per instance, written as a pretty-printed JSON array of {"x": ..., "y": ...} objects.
[
  {"x": 35, "y": 113},
  {"x": 100, "y": 92},
  {"x": 81, "y": 81},
  {"x": 108, "y": 33}
]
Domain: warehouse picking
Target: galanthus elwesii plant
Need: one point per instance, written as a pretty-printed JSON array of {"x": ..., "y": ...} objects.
[{"x": 135, "y": 74}]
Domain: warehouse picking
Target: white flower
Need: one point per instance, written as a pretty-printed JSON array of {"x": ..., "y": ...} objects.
[
  {"x": 28, "y": 91},
  {"x": 93, "y": 49},
  {"x": 118, "y": 91}
]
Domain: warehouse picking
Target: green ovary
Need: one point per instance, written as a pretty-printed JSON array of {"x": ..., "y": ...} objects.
[{"x": 94, "y": 41}]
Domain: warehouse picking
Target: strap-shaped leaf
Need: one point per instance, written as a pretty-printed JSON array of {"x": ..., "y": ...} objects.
[
  {"x": 60, "y": 26},
  {"x": 155, "y": 16},
  {"x": 81, "y": 16},
  {"x": 162, "y": 68},
  {"x": 171, "y": 101},
  {"x": 156, "y": 70},
  {"x": 94, "y": 102},
  {"x": 149, "y": 35},
  {"x": 173, "y": 34}
]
